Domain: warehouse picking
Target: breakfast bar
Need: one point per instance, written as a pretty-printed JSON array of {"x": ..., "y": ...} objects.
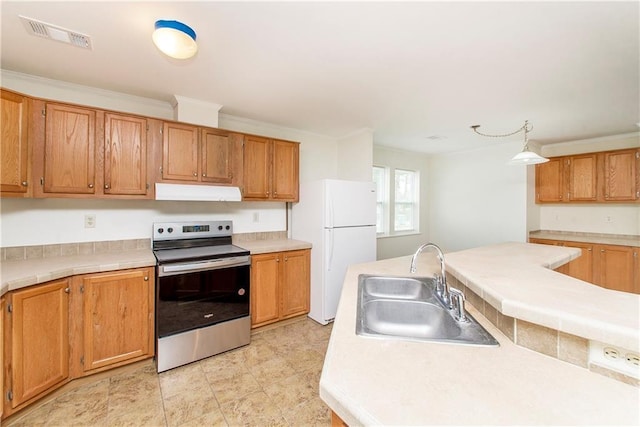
[{"x": 372, "y": 381}]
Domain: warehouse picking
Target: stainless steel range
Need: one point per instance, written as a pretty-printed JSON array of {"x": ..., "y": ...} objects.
[{"x": 202, "y": 291}]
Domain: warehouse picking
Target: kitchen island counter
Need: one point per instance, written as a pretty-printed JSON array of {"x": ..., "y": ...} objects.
[{"x": 393, "y": 382}]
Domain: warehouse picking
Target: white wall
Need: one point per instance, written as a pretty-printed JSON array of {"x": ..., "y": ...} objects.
[
  {"x": 48, "y": 221},
  {"x": 395, "y": 246},
  {"x": 477, "y": 199},
  {"x": 355, "y": 156},
  {"x": 618, "y": 218}
]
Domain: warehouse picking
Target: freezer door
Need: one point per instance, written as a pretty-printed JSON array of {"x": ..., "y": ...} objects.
[
  {"x": 349, "y": 203},
  {"x": 344, "y": 246}
]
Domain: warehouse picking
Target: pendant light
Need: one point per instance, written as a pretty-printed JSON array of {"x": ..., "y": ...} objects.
[
  {"x": 175, "y": 39},
  {"x": 525, "y": 157}
]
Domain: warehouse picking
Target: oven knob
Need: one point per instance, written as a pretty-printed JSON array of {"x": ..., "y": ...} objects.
[
  {"x": 170, "y": 230},
  {"x": 227, "y": 227},
  {"x": 241, "y": 291},
  {"x": 160, "y": 230},
  {"x": 219, "y": 227}
]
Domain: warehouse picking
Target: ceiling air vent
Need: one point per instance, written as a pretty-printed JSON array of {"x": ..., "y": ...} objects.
[{"x": 53, "y": 32}]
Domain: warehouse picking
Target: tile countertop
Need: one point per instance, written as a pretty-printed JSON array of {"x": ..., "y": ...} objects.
[
  {"x": 266, "y": 246},
  {"x": 369, "y": 381},
  {"x": 23, "y": 273},
  {"x": 604, "y": 239}
]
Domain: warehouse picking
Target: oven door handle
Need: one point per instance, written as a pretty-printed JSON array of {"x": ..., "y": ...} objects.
[{"x": 169, "y": 269}]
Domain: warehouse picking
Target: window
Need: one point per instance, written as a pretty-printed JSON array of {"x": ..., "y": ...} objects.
[
  {"x": 402, "y": 215},
  {"x": 405, "y": 211},
  {"x": 382, "y": 206}
]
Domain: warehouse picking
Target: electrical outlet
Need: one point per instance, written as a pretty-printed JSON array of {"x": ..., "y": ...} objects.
[
  {"x": 608, "y": 219},
  {"x": 256, "y": 217},
  {"x": 90, "y": 221},
  {"x": 616, "y": 359},
  {"x": 632, "y": 359},
  {"x": 611, "y": 353}
]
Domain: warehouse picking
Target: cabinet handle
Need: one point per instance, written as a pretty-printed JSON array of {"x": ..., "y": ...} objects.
[
  {"x": 286, "y": 258},
  {"x": 275, "y": 193},
  {"x": 602, "y": 251},
  {"x": 195, "y": 174},
  {"x": 204, "y": 175},
  {"x": 589, "y": 250},
  {"x": 66, "y": 290},
  {"x": 24, "y": 183},
  {"x": 90, "y": 186},
  {"x": 146, "y": 278},
  {"x": 106, "y": 186},
  {"x": 277, "y": 259},
  {"x": 267, "y": 193}
]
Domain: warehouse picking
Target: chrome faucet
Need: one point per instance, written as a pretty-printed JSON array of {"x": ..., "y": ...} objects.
[{"x": 442, "y": 288}]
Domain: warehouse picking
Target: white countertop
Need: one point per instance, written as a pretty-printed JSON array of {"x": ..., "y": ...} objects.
[
  {"x": 267, "y": 246},
  {"x": 392, "y": 382},
  {"x": 571, "y": 236}
]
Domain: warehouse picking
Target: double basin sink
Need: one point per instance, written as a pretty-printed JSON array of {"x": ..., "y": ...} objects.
[{"x": 408, "y": 308}]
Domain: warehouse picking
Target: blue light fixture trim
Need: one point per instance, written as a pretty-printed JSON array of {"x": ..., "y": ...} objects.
[{"x": 176, "y": 25}]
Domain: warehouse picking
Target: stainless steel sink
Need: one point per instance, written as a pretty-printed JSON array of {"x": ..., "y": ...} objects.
[{"x": 406, "y": 308}]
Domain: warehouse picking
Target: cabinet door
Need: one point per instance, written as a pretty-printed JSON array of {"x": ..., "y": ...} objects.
[
  {"x": 257, "y": 168},
  {"x": 14, "y": 147},
  {"x": 117, "y": 317},
  {"x": 549, "y": 181},
  {"x": 294, "y": 283},
  {"x": 217, "y": 157},
  {"x": 616, "y": 265},
  {"x": 264, "y": 288},
  {"x": 621, "y": 175},
  {"x": 39, "y": 339},
  {"x": 69, "y": 154},
  {"x": 582, "y": 178},
  {"x": 581, "y": 267},
  {"x": 125, "y": 155},
  {"x": 179, "y": 152},
  {"x": 285, "y": 170}
]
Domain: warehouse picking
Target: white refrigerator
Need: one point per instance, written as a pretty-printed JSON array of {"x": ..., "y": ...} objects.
[{"x": 339, "y": 219}]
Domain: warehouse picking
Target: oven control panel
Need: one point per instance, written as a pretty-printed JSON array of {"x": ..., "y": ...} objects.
[{"x": 191, "y": 229}]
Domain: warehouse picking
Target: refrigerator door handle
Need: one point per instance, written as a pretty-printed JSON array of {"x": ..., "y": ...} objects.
[{"x": 330, "y": 252}]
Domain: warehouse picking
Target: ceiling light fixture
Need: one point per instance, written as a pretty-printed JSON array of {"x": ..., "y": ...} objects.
[
  {"x": 525, "y": 157},
  {"x": 175, "y": 39}
]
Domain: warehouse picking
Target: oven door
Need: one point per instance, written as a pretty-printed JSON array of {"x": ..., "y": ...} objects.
[{"x": 192, "y": 295}]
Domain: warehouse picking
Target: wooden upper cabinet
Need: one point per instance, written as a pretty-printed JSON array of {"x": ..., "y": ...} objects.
[
  {"x": 14, "y": 146},
  {"x": 622, "y": 175},
  {"x": 550, "y": 181},
  {"x": 217, "y": 152},
  {"x": 271, "y": 169},
  {"x": 610, "y": 176},
  {"x": 39, "y": 340},
  {"x": 285, "y": 170},
  {"x": 179, "y": 152},
  {"x": 69, "y": 151},
  {"x": 125, "y": 155},
  {"x": 582, "y": 172},
  {"x": 257, "y": 168}
]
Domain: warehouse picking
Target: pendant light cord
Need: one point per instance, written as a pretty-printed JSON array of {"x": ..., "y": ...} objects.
[{"x": 526, "y": 127}]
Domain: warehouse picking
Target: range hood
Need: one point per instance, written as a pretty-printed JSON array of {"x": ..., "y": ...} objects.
[{"x": 203, "y": 193}]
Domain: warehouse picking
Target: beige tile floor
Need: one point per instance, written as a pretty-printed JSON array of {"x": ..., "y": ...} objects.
[{"x": 271, "y": 382}]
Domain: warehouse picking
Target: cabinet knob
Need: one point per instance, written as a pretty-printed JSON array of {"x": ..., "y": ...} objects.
[
  {"x": 286, "y": 258},
  {"x": 277, "y": 259},
  {"x": 66, "y": 290},
  {"x": 146, "y": 278},
  {"x": 601, "y": 250},
  {"x": 195, "y": 174},
  {"x": 90, "y": 186},
  {"x": 204, "y": 175},
  {"x": 24, "y": 183},
  {"x": 106, "y": 186},
  {"x": 267, "y": 193}
]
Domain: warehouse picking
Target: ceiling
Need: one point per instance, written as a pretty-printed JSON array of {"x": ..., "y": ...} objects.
[{"x": 418, "y": 74}]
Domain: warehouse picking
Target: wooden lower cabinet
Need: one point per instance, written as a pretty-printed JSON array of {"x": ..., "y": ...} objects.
[
  {"x": 37, "y": 340},
  {"x": 279, "y": 286},
  {"x": 613, "y": 267},
  {"x": 68, "y": 328},
  {"x": 117, "y": 315}
]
